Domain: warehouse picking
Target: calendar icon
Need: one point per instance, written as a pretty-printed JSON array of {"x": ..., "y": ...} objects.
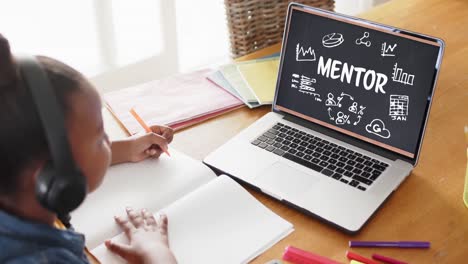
[{"x": 399, "y": 106}]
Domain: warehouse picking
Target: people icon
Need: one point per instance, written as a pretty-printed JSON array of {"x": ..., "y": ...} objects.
[
  {"x": 353, "y": 108},
  {"x": 330, "y": 101},
  {"x": 361, "y": 41},
  {"x": 341, "y": 118}
]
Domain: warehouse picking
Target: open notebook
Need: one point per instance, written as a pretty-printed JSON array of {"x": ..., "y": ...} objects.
[{"x": 211, "y": 219}]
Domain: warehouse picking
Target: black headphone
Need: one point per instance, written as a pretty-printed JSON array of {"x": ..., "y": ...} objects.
[{"x": 60, "y": 186}]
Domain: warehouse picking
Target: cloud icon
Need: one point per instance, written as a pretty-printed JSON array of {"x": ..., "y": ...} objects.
[{"x": 377, "y": 127}]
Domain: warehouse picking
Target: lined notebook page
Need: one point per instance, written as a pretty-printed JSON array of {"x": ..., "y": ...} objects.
[
  {"x": 151, "y": 184},
  {"x": 170, "y": 101},
  {"x": 219, "y": 222}
]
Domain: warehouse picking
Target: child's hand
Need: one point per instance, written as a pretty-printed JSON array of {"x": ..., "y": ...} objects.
[
  {"x": 166, "y": 132},
  {"x": 141, "y": 146},
  {"x": 148, "y": 239},
  {"x": 150, "y": 144}
]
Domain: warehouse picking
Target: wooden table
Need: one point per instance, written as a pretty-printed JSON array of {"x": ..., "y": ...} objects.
[{"x": 428, "y": 205}]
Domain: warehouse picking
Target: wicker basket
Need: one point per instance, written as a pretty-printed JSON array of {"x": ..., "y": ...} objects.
[{"x": 255, "y": 24}]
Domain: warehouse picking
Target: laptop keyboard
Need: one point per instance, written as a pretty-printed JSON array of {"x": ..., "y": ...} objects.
[{"x": 342, "y": 164}]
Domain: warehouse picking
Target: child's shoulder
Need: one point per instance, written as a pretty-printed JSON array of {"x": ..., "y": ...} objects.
[
  {"x": 23, "y": 241},
  {"x": 49, "y": 255}
]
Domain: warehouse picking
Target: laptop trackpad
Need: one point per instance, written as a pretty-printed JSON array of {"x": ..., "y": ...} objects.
[{"x": 282, "y": 179}]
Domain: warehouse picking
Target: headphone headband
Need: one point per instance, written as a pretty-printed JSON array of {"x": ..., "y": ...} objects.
[
  {"x": 60, "y": 185},
  {"x": 50, "y": 113}
]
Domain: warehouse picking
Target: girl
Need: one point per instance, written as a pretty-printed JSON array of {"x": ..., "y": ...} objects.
[{"x": 28, "y": 232}]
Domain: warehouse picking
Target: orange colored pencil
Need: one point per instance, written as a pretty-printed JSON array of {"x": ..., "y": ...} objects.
[{"x": 145, "y": 126}]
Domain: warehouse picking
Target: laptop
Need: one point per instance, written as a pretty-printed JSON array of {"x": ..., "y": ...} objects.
[{"x": 347, "y": 123}]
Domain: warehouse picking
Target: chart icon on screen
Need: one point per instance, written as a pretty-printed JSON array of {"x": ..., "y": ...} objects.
[
  {"x": 402, "y": 77},
  {"x": 387, "y": 50},
  {"x": 305, "y": 85},
  {"x": 332, "y": 40},
  {"x": 303, "y": 54}
]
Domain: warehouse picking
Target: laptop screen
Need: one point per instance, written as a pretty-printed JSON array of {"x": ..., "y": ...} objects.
[{"x": 359, "y": 79}]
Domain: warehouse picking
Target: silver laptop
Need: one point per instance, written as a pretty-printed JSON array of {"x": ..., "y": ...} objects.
[{"x": 351, "y": 105}]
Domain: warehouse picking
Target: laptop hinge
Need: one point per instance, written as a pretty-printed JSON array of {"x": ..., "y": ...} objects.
[{"x": 350, "y": 140}]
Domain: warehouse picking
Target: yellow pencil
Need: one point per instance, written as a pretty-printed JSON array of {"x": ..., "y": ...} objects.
[{"x": 145, "y": 126}]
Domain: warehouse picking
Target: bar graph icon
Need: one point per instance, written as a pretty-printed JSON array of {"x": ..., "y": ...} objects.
[{"x": 402, "y": 77}]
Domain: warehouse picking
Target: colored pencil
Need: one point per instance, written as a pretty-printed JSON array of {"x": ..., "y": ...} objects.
[
  {"x": 146, "y": 127},
  {"x": 354, "y": 256},
  {"x": 387, "y": 259},
  {"x": 398, "y": 244}
]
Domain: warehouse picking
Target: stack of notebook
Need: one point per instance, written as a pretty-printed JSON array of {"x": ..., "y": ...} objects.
[
  {"x": 178, "y": 101},
  {"x": 186, "y": 99},
  {"x": 253, "y": 82}
]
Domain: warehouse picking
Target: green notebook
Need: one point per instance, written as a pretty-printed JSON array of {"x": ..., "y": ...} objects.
[{"x": 233, "y": 76}]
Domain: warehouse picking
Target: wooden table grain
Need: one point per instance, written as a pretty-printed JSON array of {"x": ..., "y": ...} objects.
[{"x": 428, "y": 205}]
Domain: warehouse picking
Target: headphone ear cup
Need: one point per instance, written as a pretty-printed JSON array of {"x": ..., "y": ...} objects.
[
  {"x": 43, "y": 183},
  {"x": 67, "y": 193},
  {"x": 60, "y": 193}
]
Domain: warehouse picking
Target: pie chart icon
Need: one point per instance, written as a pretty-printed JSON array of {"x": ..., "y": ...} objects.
[{"x": 332, "y": 40}]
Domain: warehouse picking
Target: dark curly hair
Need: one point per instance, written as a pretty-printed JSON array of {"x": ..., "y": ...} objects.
[{"x": 22, "y": 138}]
